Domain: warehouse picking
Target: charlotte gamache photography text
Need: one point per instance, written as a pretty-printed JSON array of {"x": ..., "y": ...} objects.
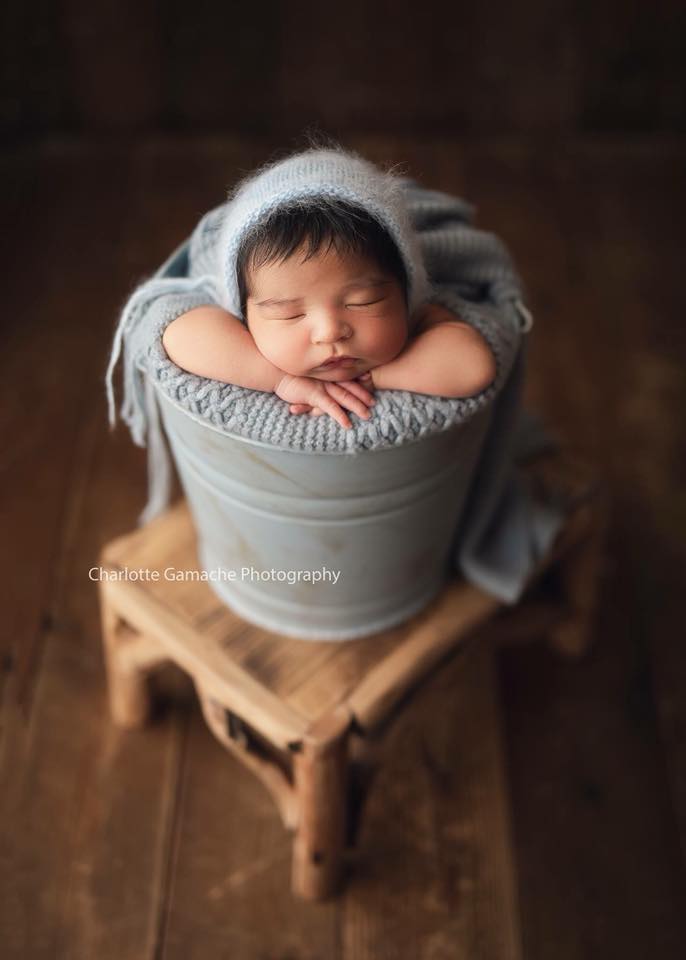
[{"x": 322, "y": 575}]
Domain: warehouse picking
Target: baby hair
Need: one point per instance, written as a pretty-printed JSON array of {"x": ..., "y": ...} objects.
[{"x": 317, "y": 223}]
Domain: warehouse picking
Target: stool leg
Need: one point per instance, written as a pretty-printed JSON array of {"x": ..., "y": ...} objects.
[
  {"x": 320, "y": 770},
  {"x": 580, "y": 573},
  {"x": 129, "y": 694}
]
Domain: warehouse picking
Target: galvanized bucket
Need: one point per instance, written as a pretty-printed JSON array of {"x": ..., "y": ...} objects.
[{"x": 323, "y": 546}]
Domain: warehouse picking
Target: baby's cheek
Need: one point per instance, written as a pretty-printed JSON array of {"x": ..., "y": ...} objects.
[
  {"x": 389, "y": 340},
  {"x": 267, "y": 342},
  {"x": 285, "y": 353}
]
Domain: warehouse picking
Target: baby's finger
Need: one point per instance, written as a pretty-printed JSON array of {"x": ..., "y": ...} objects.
[
  {"x": 299, "y": 407},
  {"x": 347, "y": 399},
  {"x": 359, "y": 390},
  {"x": 328, "y": 405}
]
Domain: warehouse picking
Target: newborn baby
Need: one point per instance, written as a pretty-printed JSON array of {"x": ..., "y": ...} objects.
[{"x": 324, "y": 293}]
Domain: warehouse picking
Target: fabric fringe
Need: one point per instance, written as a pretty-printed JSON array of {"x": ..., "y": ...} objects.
[
  {"x": 139, "y": 408},
  {"x": 159, "y": 461}
]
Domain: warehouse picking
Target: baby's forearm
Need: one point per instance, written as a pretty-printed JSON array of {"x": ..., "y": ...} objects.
[
  {"x": 447, "y": 360},
  {"x": 211, "y": 342}
]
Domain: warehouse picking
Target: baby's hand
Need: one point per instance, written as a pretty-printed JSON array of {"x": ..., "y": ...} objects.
[{"x": 306, "y": 394}]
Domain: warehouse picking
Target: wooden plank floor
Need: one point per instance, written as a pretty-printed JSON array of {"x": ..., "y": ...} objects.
[{"x": 135, "y": 845}]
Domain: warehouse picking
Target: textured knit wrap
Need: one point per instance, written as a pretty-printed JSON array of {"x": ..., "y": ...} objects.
[{"x": 448, "y": 261}]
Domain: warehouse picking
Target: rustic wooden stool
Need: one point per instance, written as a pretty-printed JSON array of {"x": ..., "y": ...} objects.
[{"x": 307, "y": 717}]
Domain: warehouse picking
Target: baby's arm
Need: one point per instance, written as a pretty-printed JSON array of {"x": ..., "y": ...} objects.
[
  {"x": 211, "y": 342},
  {"x": 446, "y": 358}
]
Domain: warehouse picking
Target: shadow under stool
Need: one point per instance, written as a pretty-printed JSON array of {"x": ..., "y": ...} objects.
[{"x": 308, "y": 718}]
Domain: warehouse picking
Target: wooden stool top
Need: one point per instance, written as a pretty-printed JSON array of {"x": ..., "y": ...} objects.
[{"x": 290, "y": 686}]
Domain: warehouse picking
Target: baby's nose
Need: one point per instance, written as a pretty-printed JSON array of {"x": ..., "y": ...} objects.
[{"x": 329, "y": 329}]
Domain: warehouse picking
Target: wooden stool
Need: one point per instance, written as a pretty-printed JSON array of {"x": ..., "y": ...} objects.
[{"x": 308, "y": 717}]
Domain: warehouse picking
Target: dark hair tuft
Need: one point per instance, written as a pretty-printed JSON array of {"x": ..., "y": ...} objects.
[{"x": 317, "y": 223}]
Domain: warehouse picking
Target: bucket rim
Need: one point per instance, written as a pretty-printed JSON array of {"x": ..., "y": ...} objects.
[{"x": 313, "y": 453}]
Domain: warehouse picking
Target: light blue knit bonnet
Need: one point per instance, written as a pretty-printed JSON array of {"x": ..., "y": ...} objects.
[{"x": 303, "y": 179}]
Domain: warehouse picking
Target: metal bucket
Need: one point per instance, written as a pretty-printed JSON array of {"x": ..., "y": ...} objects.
[{"x": 275, "y": 526}]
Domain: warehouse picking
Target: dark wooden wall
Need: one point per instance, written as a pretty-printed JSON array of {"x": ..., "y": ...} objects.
[{"x": 546, "y": 68}]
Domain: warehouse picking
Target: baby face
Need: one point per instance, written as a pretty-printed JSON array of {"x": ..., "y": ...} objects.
[{"x": 303, "y": 312}]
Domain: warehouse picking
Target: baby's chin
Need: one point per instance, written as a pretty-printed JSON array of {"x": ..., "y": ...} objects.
[{"x": 340, "y": 373}]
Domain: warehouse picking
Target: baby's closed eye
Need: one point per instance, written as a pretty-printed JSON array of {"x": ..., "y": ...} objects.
[{"x": 367, "y": 303}]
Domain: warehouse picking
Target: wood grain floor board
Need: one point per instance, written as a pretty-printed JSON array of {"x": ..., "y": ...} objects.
[{"x": 592, "y": 804}]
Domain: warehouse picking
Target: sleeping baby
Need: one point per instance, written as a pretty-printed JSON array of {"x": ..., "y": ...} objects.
[{"x": 322, "y": 296}]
